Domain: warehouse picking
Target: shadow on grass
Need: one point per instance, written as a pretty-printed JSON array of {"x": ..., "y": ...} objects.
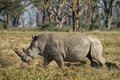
[
  {"x": 111, "y": 65},
  {"x": 81, "y": 63},
  {"x": 7, "y": 61}
]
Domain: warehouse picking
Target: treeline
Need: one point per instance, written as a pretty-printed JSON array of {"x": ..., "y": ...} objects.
[{"x": 78, "y": 14}]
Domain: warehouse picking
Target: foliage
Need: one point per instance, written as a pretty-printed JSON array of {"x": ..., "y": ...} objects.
[
  {"x": 12, "y": 9},
  {"x": 3, "y": 26},
  {"x": 116, "y": 24},
  {"x": 108, "y": 9}
]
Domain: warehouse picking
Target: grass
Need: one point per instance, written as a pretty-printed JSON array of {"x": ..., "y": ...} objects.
[{"x": 11, "y": 67}]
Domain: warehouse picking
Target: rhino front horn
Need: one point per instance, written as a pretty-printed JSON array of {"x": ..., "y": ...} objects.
[{"x": 17, "y": 52}]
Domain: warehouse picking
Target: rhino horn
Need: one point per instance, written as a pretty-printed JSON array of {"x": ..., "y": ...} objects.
[{"x": 18, "y": 52}]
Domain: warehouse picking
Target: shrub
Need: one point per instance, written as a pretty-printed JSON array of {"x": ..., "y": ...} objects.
[
  {"x": 52, "y": 27},
  {"x": 3, "y": 25},
  {"x": 115, "y": 25}
]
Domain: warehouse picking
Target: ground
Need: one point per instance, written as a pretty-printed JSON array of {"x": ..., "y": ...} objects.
[{"x": 11, "y": 67}]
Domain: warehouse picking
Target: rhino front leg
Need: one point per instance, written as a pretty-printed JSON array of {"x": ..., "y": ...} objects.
[
  {"x": 93, "y": 63},
  {"x": 47, "y": 61},
  {"x": 59, "y": 60}
]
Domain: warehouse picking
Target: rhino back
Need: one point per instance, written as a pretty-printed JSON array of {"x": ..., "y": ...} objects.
[{"x": 76, "y": 47}]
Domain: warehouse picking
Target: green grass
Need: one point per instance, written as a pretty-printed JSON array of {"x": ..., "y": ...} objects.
[{"x": 11, "y": 67}]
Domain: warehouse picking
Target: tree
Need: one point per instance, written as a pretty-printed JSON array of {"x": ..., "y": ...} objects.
[
  {"x": 43, "y": 5},
  {"x": 118, "y": 10},
  {"x": 107, "y": 11},
  {"x": 77, "y": 7},
  {"x": 12, "y": 9},
  {"x": 58, "y": 11},
  {"x": 92, "y": 10},
  {"x": 54, "y": 11}
]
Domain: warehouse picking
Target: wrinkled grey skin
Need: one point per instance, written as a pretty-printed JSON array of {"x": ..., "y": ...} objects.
[{"x": 60, "y": 48}]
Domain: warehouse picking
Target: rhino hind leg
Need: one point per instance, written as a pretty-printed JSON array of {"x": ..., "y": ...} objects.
[
  {"x": 96, "y": 55},
  {"x": 59, "y": 61},
  {"x": 96, "y": 60},
  {"x": 101, "y": 60},
  {"x": 93, "y": 62}
]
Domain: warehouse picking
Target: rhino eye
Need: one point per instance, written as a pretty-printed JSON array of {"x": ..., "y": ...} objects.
[{"x": 28, "y": 52}]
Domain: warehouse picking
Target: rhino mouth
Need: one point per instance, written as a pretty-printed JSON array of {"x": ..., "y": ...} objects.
[{"x": 24, "y": 57}]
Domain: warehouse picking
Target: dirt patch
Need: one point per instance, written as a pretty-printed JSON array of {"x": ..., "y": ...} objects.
[{"x": 7, "y": 61}]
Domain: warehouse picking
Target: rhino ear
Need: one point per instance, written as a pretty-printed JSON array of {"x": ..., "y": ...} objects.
[
  {"x": 32, "y": 36},
  {"x": 35, "y": 38},
  {"x": 24, "y": 50}
]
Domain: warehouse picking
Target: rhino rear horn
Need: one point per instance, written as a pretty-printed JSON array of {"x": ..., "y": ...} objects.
[
  {"x": 17, "y": 52},
  {"x": 24, "y": 50}
]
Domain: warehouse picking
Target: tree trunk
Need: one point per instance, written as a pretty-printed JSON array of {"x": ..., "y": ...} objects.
[
  {"x": 109, "y": 23},
  {"x": 16, "y": 19},
  {"x": 75, "y": 22},
  {"x": 7, "y": 21},
  {"x": 110, "y": 14},
  {"x": 93, "y": 20},
  {"x": 43, "y": 19},
  {"x": 73, "y": 18}
]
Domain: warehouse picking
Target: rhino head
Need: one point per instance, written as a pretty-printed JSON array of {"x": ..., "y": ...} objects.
[{"x": 31, "y": 52}]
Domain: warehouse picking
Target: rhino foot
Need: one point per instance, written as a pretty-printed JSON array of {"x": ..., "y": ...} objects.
[{"x": 59, "y": 61}]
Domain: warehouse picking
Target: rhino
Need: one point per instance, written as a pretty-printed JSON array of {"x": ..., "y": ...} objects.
[{"x": 60, "y": 48}]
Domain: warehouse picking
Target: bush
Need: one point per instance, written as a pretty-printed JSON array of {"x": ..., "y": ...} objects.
[
  {"x": 52, "y": 27},
  {"x": 7, "y": 61},
  {"x": 115, "y": 25},
  {"x": 118, "y": 24},
  {"x": 3, "y": 25},
  {"x": 47, "y": 26}
]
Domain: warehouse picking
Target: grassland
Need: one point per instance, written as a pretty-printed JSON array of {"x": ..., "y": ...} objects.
[{"x": 11, "y": 67}]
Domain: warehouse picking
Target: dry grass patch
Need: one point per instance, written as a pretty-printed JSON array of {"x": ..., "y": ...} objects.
[{"x": 11, "y": 67}]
